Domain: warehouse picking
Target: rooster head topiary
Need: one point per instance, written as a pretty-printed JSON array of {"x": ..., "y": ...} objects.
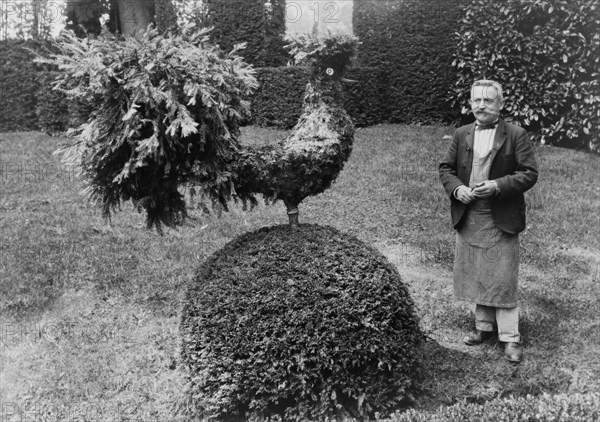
[
  {"x": 328, "y": 55},
  {"x": 309, "y": 160}
]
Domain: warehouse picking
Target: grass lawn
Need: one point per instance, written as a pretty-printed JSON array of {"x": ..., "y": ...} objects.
[{"x": 89, "y": 312}]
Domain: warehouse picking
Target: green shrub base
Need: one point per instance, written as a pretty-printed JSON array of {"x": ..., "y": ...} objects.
[
  {"x": 545, "y": 408},
  {"x": 303, "y": 324}
]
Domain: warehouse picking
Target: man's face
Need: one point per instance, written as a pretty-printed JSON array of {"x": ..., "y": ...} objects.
[{"x": 485, "y": 104}]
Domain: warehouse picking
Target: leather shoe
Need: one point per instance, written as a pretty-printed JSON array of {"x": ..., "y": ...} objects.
[
  {"x": 513, "y": 352},
  {"x": 477, "y": 337}
]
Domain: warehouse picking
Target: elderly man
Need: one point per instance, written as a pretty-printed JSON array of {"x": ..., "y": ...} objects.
[{"x": 486, "y": 170}]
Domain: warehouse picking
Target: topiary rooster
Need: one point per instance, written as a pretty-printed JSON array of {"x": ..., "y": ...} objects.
[
  {"x": 166, "y": 115},
  {"x": 319, "y": 338}
]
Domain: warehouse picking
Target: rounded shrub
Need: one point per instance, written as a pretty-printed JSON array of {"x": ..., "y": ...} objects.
[{"x": 299, "y": 324}]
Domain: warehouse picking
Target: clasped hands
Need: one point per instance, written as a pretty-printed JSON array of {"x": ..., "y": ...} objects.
[{"x": 482, "y": 190}]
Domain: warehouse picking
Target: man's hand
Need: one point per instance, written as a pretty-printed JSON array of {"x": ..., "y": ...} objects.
[
  {"x": 464, "y": 194},
  {"x": 485, "y": 189}
]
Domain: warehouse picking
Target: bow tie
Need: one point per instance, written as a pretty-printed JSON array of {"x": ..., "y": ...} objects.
[{"x": 485, "y": 127}]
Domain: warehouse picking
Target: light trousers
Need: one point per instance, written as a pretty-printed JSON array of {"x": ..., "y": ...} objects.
[{"x": 487, "y": 318}]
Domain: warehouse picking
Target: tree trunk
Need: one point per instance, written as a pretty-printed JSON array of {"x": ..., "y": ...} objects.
[
  {"x": 35, "y": 24},
  {"x": 129, "y": 17},
  {"x": 134, "y": 15},
  {"x": 84, "y": 14},
  {"x": 292, "y": 211}
]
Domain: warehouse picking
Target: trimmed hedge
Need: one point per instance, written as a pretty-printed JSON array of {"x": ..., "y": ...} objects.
[
  {"x": 278, "y": 100},
  {"x": 412, "y": 43},
  {"x": 547, "y": 408},
  {"x": 304, "y": 324},
  {"x": 363, "y": 99},
  {"x": 52, "y": 107},
  {"x": 28, "y": 101},
  {"x": 249, "y": 21},
  {"x": 546, "y": 54},
  {"x": 18, "y": 86}
]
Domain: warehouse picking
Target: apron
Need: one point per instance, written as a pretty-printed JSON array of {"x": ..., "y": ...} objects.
[{"x": 486, "y": 259}]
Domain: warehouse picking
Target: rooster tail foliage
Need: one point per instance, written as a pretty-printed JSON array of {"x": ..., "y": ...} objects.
[{"x": 166, "y": 114}]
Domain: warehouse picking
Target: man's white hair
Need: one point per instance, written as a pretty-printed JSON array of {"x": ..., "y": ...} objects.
[{"x": 488, "y": 82}]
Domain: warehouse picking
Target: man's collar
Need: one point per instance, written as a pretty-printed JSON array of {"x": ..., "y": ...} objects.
[{"x": 493, "y": 125}]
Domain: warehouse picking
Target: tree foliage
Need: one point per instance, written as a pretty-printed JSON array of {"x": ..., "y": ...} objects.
[
  {"x": 190, "y": 12},
  {"x": 83, "y": 16},
  {"x": 167, "y": 114},
  {"x": 123, "y": 15},
  {"x": 27, "y": 19},
  {"x": 546, "y": 54},
  {"x": 165, "y": 15}
]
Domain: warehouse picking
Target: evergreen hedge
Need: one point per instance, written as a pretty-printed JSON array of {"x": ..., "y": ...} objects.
[
  {"x": 363, "y": 98},
  {"x": 250, "y": 22},
  {"x": 18, "y": 86},
  {"x": 411, "y": 43},
  {"x": 27, "y": 100},
  {"x": 53, "y": 110},
  {"x": 278, "y": 100},
  {"x": 304, "y": 324},
  {"x": 546, "y": 54}
]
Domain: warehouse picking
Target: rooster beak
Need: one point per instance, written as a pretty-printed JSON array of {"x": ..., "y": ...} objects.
[{"x": 352, "y": 81}]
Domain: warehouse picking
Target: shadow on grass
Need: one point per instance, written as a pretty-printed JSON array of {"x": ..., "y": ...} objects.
[
  {"x": 541, "y": 326},
  {"x": 553, "y": 314},
  {"x": 555, "y": 326},
  {"x": 37, "y": 275},
  {"x": 450, "y": 375}
]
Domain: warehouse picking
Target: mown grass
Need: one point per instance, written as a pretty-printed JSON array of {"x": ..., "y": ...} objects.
[{"x": 89, "y": 312}]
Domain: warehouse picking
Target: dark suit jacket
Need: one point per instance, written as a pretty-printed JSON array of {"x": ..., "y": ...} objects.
[{"x": 513, "y": 167}]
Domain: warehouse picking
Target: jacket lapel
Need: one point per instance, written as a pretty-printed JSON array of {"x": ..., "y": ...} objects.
[
  {"x": 468, "y": 163},
  {"x": 471, "y": 137},
  {"x": 499, "y": 139}
]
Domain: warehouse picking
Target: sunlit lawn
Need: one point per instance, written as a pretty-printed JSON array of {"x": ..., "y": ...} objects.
[{"x": 90, "y": 312}]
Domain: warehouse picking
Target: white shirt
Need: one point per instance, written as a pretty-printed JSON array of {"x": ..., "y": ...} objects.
[{"x": 483, "y": 141}]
